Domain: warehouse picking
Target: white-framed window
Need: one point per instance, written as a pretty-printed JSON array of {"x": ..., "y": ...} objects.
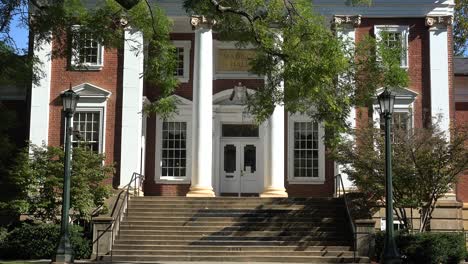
[
  {"x": 173, "y": 149},
  {"x": 397, "y": 35},
  {"x": 87, "y": 52},
  {"x": 306, "y": 151},
  {"x": 183, "y": 59},
  {"x": 88, "y": 128}
]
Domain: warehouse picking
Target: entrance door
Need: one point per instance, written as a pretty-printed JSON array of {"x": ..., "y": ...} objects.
[{"x": 239, "y": 167}]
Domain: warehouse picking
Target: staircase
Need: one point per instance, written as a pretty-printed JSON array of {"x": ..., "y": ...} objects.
[{"x": 312, "y": 230}]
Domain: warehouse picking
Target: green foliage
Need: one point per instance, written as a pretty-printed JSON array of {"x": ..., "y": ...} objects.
[
  {"x": 38, "y": 179},
  {"x": 427, "y": 248},
  {"x": 425, "y": 166},
  {"x": 39, "y": 241},
  {"x": 460, "y": 29},
  {"x": 297, "y": 50}
]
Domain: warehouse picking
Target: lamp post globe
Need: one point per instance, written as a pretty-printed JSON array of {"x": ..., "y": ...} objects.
[
  {"x": 390, "y": 253},
  {"x": 64, "y": 252}
]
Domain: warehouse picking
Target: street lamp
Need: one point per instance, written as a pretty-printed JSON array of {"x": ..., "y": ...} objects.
[
  {"x": 390, "y": 253},
  {"x": 64, "y": 249}
]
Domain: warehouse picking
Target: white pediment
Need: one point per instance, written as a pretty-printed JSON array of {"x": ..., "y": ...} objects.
[
  {"x": 403, "y": 96},
  {"x": 179, "y": 100},
  {"x": 87, "y": 90}
]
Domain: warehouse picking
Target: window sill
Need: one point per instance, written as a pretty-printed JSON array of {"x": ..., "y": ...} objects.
[
  {"x": 86, "y": 67},
  {"x": 183, "y": 79},
  {"x": 172, "y": 181},
  {"x": 308, "y": 181}
]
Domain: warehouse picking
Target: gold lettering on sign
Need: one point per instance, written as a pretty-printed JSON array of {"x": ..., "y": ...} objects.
[{"x": 234, "y": 60}]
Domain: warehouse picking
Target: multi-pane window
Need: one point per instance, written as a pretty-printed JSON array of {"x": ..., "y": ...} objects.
[
  {"x": 179, "y": 72},
  {"x": 306, "y": 149},
  {"x": 87, "y": 51},
  {"x": 395, "y": 36},
  {"x": 401, "y": 121},
  {"x": 87, "y": 129},
  {"x": 174, "y": 149}
]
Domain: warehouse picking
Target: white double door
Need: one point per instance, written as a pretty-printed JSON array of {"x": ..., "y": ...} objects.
[{"x": 240, "y": 166}]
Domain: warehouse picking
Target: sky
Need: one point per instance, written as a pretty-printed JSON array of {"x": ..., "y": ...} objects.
[{"x": 19, "y": 33}]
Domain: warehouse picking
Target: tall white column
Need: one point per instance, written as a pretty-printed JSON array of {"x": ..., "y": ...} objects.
[
  {"x": 345, "y": 27},
  {"x": 132, "y": 106},
  {"x": 439, "y": 51},
  {"x": 202, "y": 113},
  {"x": 40, "y": 95},
  {"x": 274, "y": 155}
]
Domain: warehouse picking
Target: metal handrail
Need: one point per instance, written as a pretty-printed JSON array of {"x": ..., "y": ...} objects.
[
  {"x": 137, "y": 182},
  {"x": 341, "y": 191}
]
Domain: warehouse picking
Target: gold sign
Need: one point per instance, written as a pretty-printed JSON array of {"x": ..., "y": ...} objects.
[{"x": 234, "y": 60}]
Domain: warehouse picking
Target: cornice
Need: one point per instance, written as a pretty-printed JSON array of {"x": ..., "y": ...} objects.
[
  {"x": 201, "y": 22},
  {"x": 432, "y": 21}
]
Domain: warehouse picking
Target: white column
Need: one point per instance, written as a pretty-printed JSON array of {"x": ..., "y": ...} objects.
[
  {"x": 202, "y": 113},
  {"x": 274, "y": 155},
  {"x": 132, "y": 106},
  {"x": 40, "y": 95},
  {"x": 345, "y": 30},
  {"x": 439, "y": 51}
]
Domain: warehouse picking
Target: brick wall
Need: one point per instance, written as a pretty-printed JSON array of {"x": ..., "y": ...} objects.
[
  {"x": 419, "y": 66},
  {"x": 461, "y": 119},
  {"x": 108, "y": 78}
]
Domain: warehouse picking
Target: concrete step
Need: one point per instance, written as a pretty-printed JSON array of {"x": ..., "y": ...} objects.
[
  {"x": 231, "y": 248},
  {"x": 209, "y": 237},
  {"x": 296, "y": 200},
  {"x": 269, "y": 214},
  {"x": 327, "y": 253},
  {"x": 231, "y": 243},
  {"x": 225, "y": 233},
  {"x": 236, "y": 219},
  {"x": 249, "y": 259},
  {"x": 296, "y": 210},
  {"x": 211, "y": 228}
]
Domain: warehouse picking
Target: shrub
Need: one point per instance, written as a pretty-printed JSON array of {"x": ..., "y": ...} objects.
[
  {"x": 427, "y": 247},
  {"x": 37, "y": 241}
]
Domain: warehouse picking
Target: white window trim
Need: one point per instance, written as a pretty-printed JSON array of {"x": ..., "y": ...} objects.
[
  {"x": 321, "y": 153},
  {"x": 86, "y": 66},
  {"x": 219, "y": 45},
  {"x": 187, "y": 45},
  {"x": 171, "y": 179},
  {"x": 404, "y": 30},
  {"x": 90, "y": 107}
]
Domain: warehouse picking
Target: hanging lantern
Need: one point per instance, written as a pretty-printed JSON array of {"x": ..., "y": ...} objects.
[{"x": 128, "y": 4}]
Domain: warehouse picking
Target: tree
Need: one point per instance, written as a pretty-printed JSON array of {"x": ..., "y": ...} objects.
[
  {"x": 294, "y": 44},
  {"x": 460, "y": 29},
  {"x": 37, "y": 178},
  {"x": 425, "y": 166}
]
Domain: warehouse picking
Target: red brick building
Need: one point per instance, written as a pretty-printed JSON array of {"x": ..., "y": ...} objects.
[{"x": 211, "y": 147}]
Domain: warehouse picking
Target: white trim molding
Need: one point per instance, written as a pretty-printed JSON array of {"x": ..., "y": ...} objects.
[
  {"x": 321, "y": 152},
  {"x": 187, "y": 46},
  {"x": 75, "y": 54},
  {"x": 40, "y": 95},
  {"x": 404, "y": 31}
]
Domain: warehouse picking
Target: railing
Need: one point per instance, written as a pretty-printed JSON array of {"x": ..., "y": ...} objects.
[
  {"x": 340, "y": 191},
  {"x": 118, "y": 210}
]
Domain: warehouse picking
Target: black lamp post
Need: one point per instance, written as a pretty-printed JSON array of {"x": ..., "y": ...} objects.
[
  {"x": 390, "y": 253},
  {"x": 64, "y": 249}
]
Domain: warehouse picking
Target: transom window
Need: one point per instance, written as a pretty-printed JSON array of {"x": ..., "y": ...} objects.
[
  {"x": 306, "y": 151},
  {"x": 239, "y": 130},
  {"x": 174, "y": 149},
  {"x": 87, "y": 129}
]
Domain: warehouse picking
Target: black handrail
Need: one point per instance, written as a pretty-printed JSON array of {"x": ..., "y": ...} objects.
[
  {"x": 137, "y": 182},
  {"x": 341, "y": 191}
]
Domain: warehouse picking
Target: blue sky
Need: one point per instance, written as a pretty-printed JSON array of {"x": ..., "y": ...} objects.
[{"x": 19, "y": 33}]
